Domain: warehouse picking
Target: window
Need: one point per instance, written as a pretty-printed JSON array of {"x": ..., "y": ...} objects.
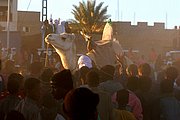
[{"x": 26, "y": 29}]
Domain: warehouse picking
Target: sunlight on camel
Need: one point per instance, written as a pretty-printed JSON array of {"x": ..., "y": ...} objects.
[
  {"x": 104, "y": 54},
  {"x": 64, "y": 45}
]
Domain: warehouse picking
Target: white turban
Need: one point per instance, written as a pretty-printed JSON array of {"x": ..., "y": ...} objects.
[{"x": 84, "y": 61}]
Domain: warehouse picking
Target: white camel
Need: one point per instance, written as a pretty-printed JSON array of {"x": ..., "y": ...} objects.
[{"x": 64, "y": 45}]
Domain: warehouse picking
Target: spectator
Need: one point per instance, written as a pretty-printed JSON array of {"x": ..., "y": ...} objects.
[
  {"x": 14, "y": 115},
  {"x": 81, "y": 104},
  {"x": 35, "y": 70},
  {"x": 132, "y": 79},
  {"x": 145, "y": 95},
  {"x": 109, "y": 84},
  {"x": 144, "y": 70},
  {"x": 8, "y": 69},
  {"x": 166, "y": 107},
  {"x": 152, "y": 55},
  {"x": 29, "y": 106},
  {"x": 61, "y": 84},
  {"x": 105, "y": 105},
  {"x": 123, "y": 111},
  {"x": 159, "y": 63},
  {"x": 67, "y": 28},
  {"x": 47, "y": 28},
  {"x": 45, "y": 78},
  {"x": 127, "y": 100},
  {"x": 84, "y": 60},
  {"x": 13, "y": 86},
  {"x": 171, "y": 73},
  {"x": 49, "y": 110},
  {"x": 141, "y": 60}
]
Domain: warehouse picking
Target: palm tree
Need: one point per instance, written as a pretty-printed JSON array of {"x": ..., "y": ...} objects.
[{"x": 90, "y": 17}]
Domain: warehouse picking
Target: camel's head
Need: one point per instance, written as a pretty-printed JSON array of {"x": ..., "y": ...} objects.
[{"x": 62, "y": 41}]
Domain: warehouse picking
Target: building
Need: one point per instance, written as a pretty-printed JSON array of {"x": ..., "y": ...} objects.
[
  {"x": 28, "y": 26},
  {"x": 144, "y": 37},
  {"x": 19, "y": 20},
  {"x": 141, "y": 37},
  {"x": 4, "y": 13},
  {"x": 22, "y": 24}
]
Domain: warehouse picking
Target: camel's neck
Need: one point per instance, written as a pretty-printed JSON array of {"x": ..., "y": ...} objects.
[{"x": 68, "y": 58}]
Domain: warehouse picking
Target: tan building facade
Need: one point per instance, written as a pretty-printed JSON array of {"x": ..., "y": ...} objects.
[
  {"x": 4, "y": 13},
  {"x": 26, "y": 22},
  {"x": 29, "y": 23},
  {"x": 143, "y": 37},
  {"x": 140, "y": 37}
]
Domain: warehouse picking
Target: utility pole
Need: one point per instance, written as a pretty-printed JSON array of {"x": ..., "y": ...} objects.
[
  {"x": 44, "y": 10},
  {"x": 118, "y": 9},
  {"x": 8, "y": 20},
  {"x": 44, "y": 17}
]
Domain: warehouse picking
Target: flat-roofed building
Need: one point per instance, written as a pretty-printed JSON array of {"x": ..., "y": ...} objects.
[{"x": 4, "y": 13}]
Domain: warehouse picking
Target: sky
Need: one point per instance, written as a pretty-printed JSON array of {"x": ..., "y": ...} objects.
[{"x": 166, "y": 11}]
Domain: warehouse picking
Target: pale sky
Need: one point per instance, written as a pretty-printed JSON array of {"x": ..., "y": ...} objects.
[{"x": 167, "y": 11}]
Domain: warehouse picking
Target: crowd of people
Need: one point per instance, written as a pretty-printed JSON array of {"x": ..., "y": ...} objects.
[
  {"x": 122, "y": 92},
  {"x": 90, "y": 93}
]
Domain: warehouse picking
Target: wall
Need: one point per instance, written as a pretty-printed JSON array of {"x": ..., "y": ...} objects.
[
  {"x": 13, "y": 11},
  {"x": 139, "y": 37},
  {"x": 143, "y": 37},
  {"x": 29, "y": 20}
]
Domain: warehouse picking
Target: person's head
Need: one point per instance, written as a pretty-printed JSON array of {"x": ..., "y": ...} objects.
[
  {"x": 9, "y": 66},
  {"x": 14, "y": 83},
  {"x": 67, "y": 28},
  {"x": 166, "y": 86},
  {"x": 14, "y": 115},
  {"x": 32, "y": 88},
  {"x": 144, "y": 70},
  {"x": 107, "y": 72},
  {"x": 46, "y": 75},
  {"x": 132, "y": 83},
  {"x": 132, "y": 70},
  {"x": 122, "y": 98},
  {"x": 92, "y": 78},
  {"x": 81, "y": 104},
  {"x": 46, "y": 22},
  {"x": 84, "y": 60},
  {"x": 36, "y": 68},
  {"x": 61, "y": 84},
  {"x": 171, "y": 73},
  {"x": 145, "y": 83}
]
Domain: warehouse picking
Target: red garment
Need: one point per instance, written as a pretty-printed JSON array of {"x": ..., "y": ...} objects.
[
  {"x": 153, "y": 56},
  {"x": 135, "y": 103}
]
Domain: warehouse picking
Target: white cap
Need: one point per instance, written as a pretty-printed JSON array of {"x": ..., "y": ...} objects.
[{"x": 84, "y": 61}]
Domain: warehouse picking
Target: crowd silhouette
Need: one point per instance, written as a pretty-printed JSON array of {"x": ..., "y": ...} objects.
[
  {"x": 107, "y": 93},
  {"x": 144, "y": 90}
]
